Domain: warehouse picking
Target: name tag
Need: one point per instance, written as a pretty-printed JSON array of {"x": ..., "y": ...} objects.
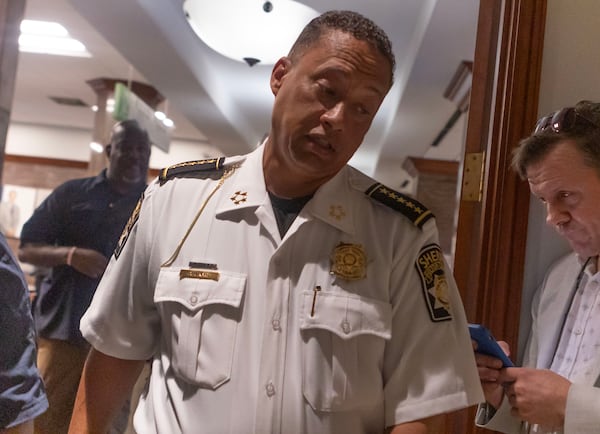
[{"x": 199, "y": 274}]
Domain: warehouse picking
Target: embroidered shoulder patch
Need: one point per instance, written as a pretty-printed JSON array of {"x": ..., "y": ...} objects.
[
  {"x": 430, "y": 266},
  {"x": 196, "y": 168},
  {"x": 415, "y": 211},
  {"x": 128, "y": 227}
]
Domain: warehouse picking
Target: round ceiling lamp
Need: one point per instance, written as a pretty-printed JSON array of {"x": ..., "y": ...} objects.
[{"x": 250, "y": 31}]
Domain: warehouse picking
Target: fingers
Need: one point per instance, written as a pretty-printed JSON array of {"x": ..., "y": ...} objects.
[
  {"x": 90, "y": 262},
  {"x": 505, "y": 347},
  {"x": 485, "y": 361},
  {"x": 509, "y": 375}
]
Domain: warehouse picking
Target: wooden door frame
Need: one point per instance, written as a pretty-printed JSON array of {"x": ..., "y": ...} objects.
[{"x": 491, "y": 234}]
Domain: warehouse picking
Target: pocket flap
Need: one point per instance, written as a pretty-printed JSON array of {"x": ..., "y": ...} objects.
[
  {"x": 346, "y": 315},
  {"x": 196, "y": 292}
]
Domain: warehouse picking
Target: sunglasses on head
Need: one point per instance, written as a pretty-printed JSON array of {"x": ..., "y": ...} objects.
[{"x": 563, "y": 120}]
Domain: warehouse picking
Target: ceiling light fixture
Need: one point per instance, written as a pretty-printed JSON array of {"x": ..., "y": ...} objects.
[
  {"x": 48, "y": 37},
  {"x": 164, "y": 119},
  {"x": 96, "y": 147},
  {"x": 250, "y": 31}
]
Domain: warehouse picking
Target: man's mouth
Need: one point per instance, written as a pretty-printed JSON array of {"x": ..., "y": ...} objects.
[{"x": 321, "y": 142}]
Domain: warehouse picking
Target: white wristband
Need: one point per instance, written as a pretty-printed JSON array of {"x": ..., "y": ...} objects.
[{"x": 70, "y": 255}]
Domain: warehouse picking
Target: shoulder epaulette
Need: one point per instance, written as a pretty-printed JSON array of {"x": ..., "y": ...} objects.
[
  {"x": 196, "y": 169},
  {"x": 416, "y": 212}
]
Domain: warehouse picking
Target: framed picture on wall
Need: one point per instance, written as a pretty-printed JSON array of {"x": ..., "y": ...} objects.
[{"x": 16, "y": 207}]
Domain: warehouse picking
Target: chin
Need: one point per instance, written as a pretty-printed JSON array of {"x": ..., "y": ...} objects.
[{"x": 128, "y": 180}]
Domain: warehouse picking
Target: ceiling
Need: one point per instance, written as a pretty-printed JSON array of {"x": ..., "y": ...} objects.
[{"x": 227, "y": 103}]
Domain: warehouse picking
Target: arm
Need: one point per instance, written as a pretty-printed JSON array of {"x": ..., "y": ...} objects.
[
  {"x": 107, "y": 381},
  {"x": 86, "y": 261},
  {"x": 431, "y": 425},
  {"x": 24, "y": 428}
]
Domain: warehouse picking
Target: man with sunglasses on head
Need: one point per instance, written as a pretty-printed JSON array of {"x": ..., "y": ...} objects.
[{"x": 558, "y": 388}]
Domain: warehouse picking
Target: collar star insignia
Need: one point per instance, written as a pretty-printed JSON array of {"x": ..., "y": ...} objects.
[
  {"x": 337, "y": 212},
  {"x": 239, "y": 197}
]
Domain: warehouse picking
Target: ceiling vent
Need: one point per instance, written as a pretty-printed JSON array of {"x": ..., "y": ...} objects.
[{"x": 73, "y": 102}]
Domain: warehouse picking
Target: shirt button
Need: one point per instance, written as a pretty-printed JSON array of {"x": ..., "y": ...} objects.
[
  {"x": 270, "y": 389},
  {"x": 276, "y": 324},
  {"x": 577, "y": 331},
  {"x": 346, "y": 326},
  {"x": 193, "y": 299}
]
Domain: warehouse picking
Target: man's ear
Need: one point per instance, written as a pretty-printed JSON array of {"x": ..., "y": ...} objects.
[
  {"x": 107, "y": 149},
  {"x": 280, "y": 70}
]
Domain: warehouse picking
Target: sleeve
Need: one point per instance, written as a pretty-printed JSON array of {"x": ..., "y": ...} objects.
[
  {"x": 45, "y": 224},
  {"x": 122, "y": 320},
  {"x": 429, "y": 365},
  {"x": 22, "y": 395},
  {"x": 583, "y": 409},
  {"x": 501, "y": 420}
]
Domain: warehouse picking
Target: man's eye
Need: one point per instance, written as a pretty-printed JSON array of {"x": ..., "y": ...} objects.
[
  {"x": 326, "y": 90},
  {"x": 362, "y": 110}
]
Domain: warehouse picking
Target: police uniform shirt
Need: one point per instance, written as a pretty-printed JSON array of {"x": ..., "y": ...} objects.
[{"x": 330, "y": 329}]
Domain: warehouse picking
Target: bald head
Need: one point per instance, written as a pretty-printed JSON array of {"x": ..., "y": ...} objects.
[{"x": 129, "y": 155}]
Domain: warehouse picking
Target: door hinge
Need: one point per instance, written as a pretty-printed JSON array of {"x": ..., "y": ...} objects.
[{"x": 472, "y": 187}]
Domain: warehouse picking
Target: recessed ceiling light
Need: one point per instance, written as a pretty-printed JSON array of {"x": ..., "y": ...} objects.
[
  {"x": 248, "y": 31},
  {"x": 96, "y": 147},
  {"x": 48, "y": 37},
  {"x": 46, "y": 28}
]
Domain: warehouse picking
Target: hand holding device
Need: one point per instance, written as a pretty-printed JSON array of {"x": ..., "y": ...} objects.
[{"x": 486, "y": 344}]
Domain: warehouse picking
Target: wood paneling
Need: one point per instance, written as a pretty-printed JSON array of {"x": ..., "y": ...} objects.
[
  {"x": 491, "y": 235},
  {"x": 40, "y": 172}
]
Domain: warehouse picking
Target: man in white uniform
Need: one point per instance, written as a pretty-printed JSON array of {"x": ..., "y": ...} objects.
[
  {"x": 558, "y": 390},
  {"x": 284, "y": 291}
]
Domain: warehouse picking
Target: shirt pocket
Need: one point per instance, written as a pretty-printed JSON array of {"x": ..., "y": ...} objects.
[
  {"x": 203, "y": 315},
  {"x": 344, "y": 339}
]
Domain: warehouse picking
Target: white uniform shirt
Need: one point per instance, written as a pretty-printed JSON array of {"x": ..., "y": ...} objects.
[{"x": 248, "y": 353}]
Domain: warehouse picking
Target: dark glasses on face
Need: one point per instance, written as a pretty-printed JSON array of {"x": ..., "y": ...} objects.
[{"x": 562, "y": 120}]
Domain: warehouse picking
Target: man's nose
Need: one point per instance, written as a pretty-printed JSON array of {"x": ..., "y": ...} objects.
[
  {"x": 333, "y": 117},
  {"x": 556, "y": 215}
]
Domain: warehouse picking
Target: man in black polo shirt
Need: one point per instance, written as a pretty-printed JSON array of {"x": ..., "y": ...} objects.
[{"x": 74, "y": 231}]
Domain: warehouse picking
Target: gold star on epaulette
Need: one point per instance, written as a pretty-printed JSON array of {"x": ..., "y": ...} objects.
[{"x": 411, "y": 208}]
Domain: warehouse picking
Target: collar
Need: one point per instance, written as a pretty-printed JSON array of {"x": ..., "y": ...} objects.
[
  {"x": 591, "y": 266},
  {"x": 333, "y": 203},
  {"x": 100, "y": 178}
]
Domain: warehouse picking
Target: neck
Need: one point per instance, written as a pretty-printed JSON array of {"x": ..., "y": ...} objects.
[
  {"x": 120, "y": 186},
  {"x": 285, "y": 181}
]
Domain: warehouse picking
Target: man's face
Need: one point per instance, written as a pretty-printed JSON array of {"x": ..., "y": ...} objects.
[
  {"x": 129, "y": 155},
  {"x": 570, "y": 190},
  {"x": 325, "y": 101}
]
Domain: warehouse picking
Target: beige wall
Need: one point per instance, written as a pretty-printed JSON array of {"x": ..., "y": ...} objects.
[{"x": 73, "y": 144}]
